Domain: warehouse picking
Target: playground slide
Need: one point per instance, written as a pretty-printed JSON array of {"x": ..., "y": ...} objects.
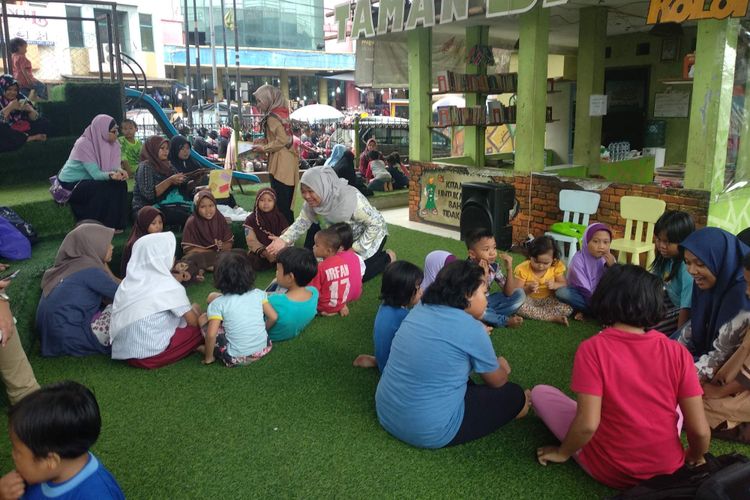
[{"x": 168, "y": 128}]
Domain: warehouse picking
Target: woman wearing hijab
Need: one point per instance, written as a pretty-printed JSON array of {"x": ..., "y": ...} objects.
[
  {"x": 19, "y": 120},
  {"x": 149, "y": 220},
  {"x": 153, "y": 323},
  {"x": 283, "y": 162},
  {"x": 329, "y": 200},
  {"x": 342, "y": 162},
  {"x": 264, "y": 223},
  {"x": 587, "y": 268},
  {"x": 70, "y": 318},
  {"x": 157, "y": 183},
  {"x": 433, "y": 263},
  {"x": 94, "y": 175},
  {"x": 179, "y": 155},
  {"x": 720, "y": 308}
]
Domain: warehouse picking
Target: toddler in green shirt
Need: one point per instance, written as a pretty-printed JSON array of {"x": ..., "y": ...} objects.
[{"x": 130, "y": 146}]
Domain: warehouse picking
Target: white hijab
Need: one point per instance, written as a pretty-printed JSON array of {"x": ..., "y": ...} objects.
[
  {"x": 149, "y": 286},
  {"x": 338, "y": 200}
]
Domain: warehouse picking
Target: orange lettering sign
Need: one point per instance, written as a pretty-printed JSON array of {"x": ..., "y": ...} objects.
[{"x": 679, "y": 11}]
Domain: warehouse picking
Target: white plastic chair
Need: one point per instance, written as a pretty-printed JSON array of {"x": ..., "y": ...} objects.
[{"x": 577, "y": 207}]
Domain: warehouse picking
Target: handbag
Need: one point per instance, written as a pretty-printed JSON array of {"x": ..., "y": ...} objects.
[
  {"x": 726, "y": 477},
  {"x": 17, "y": 221},
  {"x": 59, "y": 193}
]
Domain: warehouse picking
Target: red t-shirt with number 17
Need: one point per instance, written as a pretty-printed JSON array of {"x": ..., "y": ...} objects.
[{"x": 339, "y": 281}]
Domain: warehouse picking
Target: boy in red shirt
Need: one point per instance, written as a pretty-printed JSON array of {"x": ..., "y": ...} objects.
[
  {"x": 23, "y": 73},
  {"x": 339, "y": 278}
]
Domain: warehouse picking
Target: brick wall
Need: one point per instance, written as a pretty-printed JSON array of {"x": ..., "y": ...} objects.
[{"x": 536, "y": 217}]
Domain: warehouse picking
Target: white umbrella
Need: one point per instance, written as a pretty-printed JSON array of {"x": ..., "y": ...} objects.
[{"x": 316, "y": 113}]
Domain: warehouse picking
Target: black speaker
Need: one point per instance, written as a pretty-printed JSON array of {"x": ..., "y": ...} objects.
[{"x": 486, "y": 205}]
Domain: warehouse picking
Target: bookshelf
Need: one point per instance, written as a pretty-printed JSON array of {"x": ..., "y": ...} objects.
[{"x": 496, "y": 113}]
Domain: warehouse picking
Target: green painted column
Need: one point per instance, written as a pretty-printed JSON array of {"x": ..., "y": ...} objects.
[
  {"x": 592, "y": 36},
  {"x": 474, "y": 136},
  {"x": 532, "y": 90},
  {"x": 711, "y": 104},
  {"x": 284, "y": 83},
  {"x": 743, "y": 155},
  {"x": 419, "y": 42},
  {"x": 322, "y": 90}
]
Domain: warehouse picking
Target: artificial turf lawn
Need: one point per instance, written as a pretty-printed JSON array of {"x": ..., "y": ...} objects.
[{"x": 301, "y": 421}]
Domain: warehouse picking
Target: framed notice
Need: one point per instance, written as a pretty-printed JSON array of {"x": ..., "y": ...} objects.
[{"x": 672, "y": 105}]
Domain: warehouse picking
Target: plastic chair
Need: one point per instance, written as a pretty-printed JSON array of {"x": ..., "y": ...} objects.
[
  {"x": 644, "y": 212},
  {"x": 577, "y": 207}
]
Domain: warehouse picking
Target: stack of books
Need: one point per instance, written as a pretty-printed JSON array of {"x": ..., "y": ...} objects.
[
  {"x": 451, "y": 116},
  {"x": 448, "y": 81},
  {"x": 670, "y": 176}
]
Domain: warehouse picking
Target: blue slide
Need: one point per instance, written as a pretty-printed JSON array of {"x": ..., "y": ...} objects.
[{"x": 168, "y": 128}]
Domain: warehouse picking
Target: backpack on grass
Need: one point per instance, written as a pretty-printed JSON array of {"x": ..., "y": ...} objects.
[
  {"x": 726, "y": 477},
  {"x": 23, "y": 227}
]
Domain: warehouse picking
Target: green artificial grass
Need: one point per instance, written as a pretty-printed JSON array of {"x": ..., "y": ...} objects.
[{"x": 301, "y": 422}]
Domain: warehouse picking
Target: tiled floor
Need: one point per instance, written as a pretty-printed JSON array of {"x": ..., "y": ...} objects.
[{"x": 400, "y": 217}]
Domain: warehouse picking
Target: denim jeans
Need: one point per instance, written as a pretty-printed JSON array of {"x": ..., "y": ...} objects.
[
  {"x": 500, "y": 306},
  {"x": 573, "y": 298}
]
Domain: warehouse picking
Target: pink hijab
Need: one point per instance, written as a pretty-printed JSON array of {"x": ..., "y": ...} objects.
[
  {"x": 586, "y": 270},
  {"x": 93, "y": 146}
]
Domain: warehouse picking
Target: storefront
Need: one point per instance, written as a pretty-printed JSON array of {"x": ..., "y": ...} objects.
[{"x": 587, "y": 77}]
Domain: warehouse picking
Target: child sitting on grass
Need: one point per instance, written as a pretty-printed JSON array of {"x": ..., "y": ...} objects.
[
  {"x": 206, "y": 231},
  {"x": 625, "y": 427},
  {"x": 539, "y": 276},
  {"x": 130, "y": 146},
  {"x": 400, "y": 290},
  {"x": 339, "y": 278},
  {"x": 51, "y": 431},
  {"x": 148, "y": 221},
  {"x": 234, "y": 325},
  {"x": 586, "y": 268},
  {"x": 501, "y": 306},
  {"x": 262, "y": 226},
  {"x": 433, "y": 263},
  {"x": 295, "y": 268}
]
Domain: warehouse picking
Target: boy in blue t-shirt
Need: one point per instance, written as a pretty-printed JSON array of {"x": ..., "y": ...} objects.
[
  {"x": 295, "y": 268},
  {"x": 51, "y": 431}
]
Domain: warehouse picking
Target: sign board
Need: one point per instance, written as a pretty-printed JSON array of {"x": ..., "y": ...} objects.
[
  {"x": 672, "y": 105},
  {"x": 671, "y": 11},
  {"x": 597, "y": 105},
  {"x": 393, "y": 15},
  {"x": 440, "y": 195}
]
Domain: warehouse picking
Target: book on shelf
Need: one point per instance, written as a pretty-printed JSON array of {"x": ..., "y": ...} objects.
[
  {"x": 442, "y": 81},
  {"x": 449, "y": 81},
  {"x": 444, "y": 115}
]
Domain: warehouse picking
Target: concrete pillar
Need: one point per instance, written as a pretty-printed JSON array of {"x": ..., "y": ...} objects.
[
  {"x": 322, "y": 91},
  {"x": 592, "y": 35},
  {"x": 532, "y": 90},
  {"x": 711, "y": 104},
  {"x": 284, "y": 83},
  {"x": 419, "y": 42},
  {"x": 474, "y": 136}
]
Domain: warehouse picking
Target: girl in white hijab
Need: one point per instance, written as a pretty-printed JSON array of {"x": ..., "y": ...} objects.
[{"x": 153, "y": 323}]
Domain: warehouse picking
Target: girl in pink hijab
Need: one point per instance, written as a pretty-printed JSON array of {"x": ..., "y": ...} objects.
[
  {"x": 587, "y": 267},
  {"x": 94, "y": 176}
]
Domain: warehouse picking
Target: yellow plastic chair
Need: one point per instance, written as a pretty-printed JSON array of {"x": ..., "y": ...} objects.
[{"x": 644, "y": 212}]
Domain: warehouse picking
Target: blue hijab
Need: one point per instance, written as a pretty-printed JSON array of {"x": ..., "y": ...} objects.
[
  {"x": 336, "y": 154},
  {"x": 722, "y": 254}
]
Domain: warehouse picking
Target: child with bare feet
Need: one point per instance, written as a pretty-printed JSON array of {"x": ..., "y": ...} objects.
[
  {"x": 502, "y": 305},
  {"x": 234, "y": 326},
  {"x": 587, "y": 268},
  {"x": 400, "y": 290},
  {"x": 295, "y": 268},
  {"x": 339, "y": 278},
  {"x": 539, "y": 276}
]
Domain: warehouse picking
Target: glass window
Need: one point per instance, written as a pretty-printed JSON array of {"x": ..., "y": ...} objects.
[
  {"x": 122, "y": 28},
  {"x": 147, "y": 32},
  {"x": 75, "y": 27}
]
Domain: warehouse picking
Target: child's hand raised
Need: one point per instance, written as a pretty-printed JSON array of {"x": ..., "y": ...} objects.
[
  {"x": 11, "y": 486},
  {"x": 610, "y": 259},
  {"x": 508, "y": 260}
]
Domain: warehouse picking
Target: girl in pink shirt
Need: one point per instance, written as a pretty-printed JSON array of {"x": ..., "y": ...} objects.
[{"x": 625, "y": 426}]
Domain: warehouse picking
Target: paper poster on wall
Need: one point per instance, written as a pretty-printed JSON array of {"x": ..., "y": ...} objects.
[
  {"x": 672, "y": 105},
  {"x": 597, "y": 105}
]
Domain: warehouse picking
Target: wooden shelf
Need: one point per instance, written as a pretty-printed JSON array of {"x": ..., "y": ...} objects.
[
  {"x": 485, "y": 125},
  {"x": 484, "y": 92},
  {"x": 676, "y": 81}
]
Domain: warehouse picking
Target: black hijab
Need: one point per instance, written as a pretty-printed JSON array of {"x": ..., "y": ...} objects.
[{"x": 182, "y": 166}]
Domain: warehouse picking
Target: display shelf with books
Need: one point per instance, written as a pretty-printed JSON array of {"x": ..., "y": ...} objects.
[
  {"x": 450, "y": 82},
  {"x": 476, "y": 116}
]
